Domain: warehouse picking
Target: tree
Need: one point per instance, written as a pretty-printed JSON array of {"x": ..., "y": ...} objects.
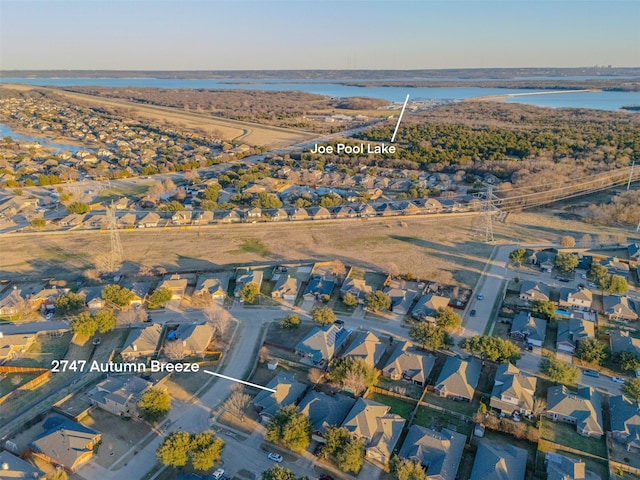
[
  {"x": 586, "y": 240},
  {"x": 615, "y": 284},
  {"x": 249, "y": 292},
  {"x": 337, "y": 268},
  {"x": 267, "y": 200},
  {"x": 205, "y": 450},
  {"x": 518, "y": 256},
  {"x": 290, "y": 428},
  {"x": 237, "y": 402},
  {"x": 106, "y": 320},
  {"x": 174, "y": 450},
  {"x": 631, "y": 388},
  {"x": 349, "y": 299},
  {"x": 378, "y": 301},
  {"x": 159, "y": 297},
  {"x": 448, "y": 319},
  {"x": 597, "y": 272},
  {"x": 117, "y": 295},
  {"x": 404, "y": 469},
  {"x": 591, "y": 350},
  {"x": 491, "y": 348},
  {"x": 84, "y": 324},
  {"x": 69, "y": 303},
  {"x": 323, "y": 315},
  {"x": 568, "y": 241},
  {"x": 559, "y": 371},
  {"x": 278, "y": 473},
  {"x": 154, "y": 404},
  {"x": 315, "y": 375},
  {"x": 430, "y": 336},
  {"x": 218, "y": 316},
  {"x": 346, "y": 452},
  {"x": 567, "y": 262},
  {"x": 353, "y": 374},
  {"x": 59, "y": 474},
  {"x": 192, "y": 176},
  {"x": 78, "y": 207},
  {"x": 290, "y": 321},
  {"x": 544, "y": 308},
  {"x": 38, "y": 223},
  {"x": 629, "y": 361}
]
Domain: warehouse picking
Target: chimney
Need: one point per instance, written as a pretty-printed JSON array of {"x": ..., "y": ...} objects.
[
  {"x": 135, "y": 347},
  {"x": 5, "y": 466}
]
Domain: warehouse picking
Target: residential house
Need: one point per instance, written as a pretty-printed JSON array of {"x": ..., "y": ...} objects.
[
  {"x": 254, "y": 213},
  {"x": 408, "y": 365},
  {"x": 575, "y": 298},
  {"x": 528, "y": 329},
  {"x": 119, "y": 395},
  {"x": 14, "y": 468},
  {"x": 572, "y": 332},
  {"x": 625, "y": 422},
  {"x": 150, "y": 220},
  {"x": 65, "y": 443},
  {"x": 619, "y": 307},
  {"x": 359, "y": 287},
  {"x": 194, "y": 339},
  {"x": 141, "y": 342},
  {"x": 231, "y": 216},
  {"x": 11, "y": 302},
  {"x": 386, "y": 210},
  {"x": 440, "y": 453},
  {"x": 11, "y": 346},
  {"x": 286, "y": 288},
  {"x": 458, "y": 378},
  {"x": 92, "y": 297},
  {"x": 318, "y": 287},
  {"x": 380, "y": 430},
  {"x": 212, "y": 287},
  {"x": 621, "y": 341},
  {"x": 181, "y": 218},
  {"x": 633, "y": 250},
  {"x": 401, "y": 298},
  {"x": 367, "y": 347},
  {"x": 287, "y": 392},
  {"x": 560, "y": 467},
  {"x": 204, "y": 218},
  {"x": 319, "y": 213},
  {"x": 430, "y": 205},
  {"x": 322, "y": 343},
  {"x": 44, "y": 298},
  {"x": 366, "y": 211},
  {"x": 324, "y": 411},
  {"x": 615, "y": 267},
  {"x": 244, "y": 277},
  {"x": 298, "y": 214},
  {"x": 427, "y": 307},
  {"x": 140, "y": 291},
  {"x": 531, "y": 291},
  {"x": 344, "y": 211},
  {"x": 279, "y": 215},
  {"x": 128, "y": 220},
  {"x": 584, "y": 409},
  {"x": 498, "y": 462},
  {"x": 176, "y": 284},
  {"x": 97, "y": 221},
  {"x": 72, "y": 220},
  {"x": 513, "y": 391},
  {"x": 545, "y": 259}
]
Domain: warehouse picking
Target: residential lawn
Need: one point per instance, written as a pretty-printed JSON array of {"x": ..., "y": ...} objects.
[
  {"x": 551, "y": 338},
  {"x": 429, "y": 418},
  {"x": 288, "y": 337},
  {"x": 461, "y": 407},
  {"x": 44, "y": 349},
  {"x": 565, "y": 434},
  {"x": 398, "y": 406},
  {"x": 10, "y": 381},
  {"x": 397, "y": 386},
  {"x": 501, "y": 330},
  {"x": 340, "y": 308},
  {"x": 263, "y": 375}
]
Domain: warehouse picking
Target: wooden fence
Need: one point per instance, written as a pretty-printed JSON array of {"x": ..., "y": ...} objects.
[{"x": 30, "y": 385}]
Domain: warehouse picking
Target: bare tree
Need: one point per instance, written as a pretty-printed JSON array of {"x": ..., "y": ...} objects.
[
  {"x": 603, "y": 239},
  {"x": 393, "y": 269},
  {"x": 568, "y": 241},
  {"x": 586, "y": 240},
  {"x": 315, "y": 375},
  {"x": 218, "y": 316},
  {"x": 237, "y": 402},
  {"x": 337, "y": 268},
  {"x": 354, "y": 382},
  {"x": 263, "y": 354},
  {"x": 192, "y": 176},
  {"x": 539, "y": 407},
  {"x": 174, "y": 350},
  {"x": 156, "y": 189},
  {"x": 126, "y": 317}
]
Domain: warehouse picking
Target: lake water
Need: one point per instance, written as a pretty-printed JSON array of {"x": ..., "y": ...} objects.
[
  {"x": 6, "y": 131},
  {"x": 594, "y": 100}
]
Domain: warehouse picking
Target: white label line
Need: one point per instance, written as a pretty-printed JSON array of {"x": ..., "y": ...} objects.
[
  {"x": 393, "y": 139},
  {"x": 239, "y": 381}
]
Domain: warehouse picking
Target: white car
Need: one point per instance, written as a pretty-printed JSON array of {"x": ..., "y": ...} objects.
[
  {"x": 218, "y": 474},
  {"x": 275, "y": 457},
  {"x": 617, "y": 379}
]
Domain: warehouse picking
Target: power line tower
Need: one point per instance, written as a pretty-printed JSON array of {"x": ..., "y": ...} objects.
[
  {"x": 115, "y": 255},
  {"x": 488, "y": 209}
]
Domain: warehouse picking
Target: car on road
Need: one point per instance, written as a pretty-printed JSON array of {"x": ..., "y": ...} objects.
[
  {"x": 339, "y": 322},
  {"x": 617, "y": 379},
  {"x": 96, "y": 341},
  {"x": 217, "y": 475},
  {"x": 583, "y": 276},
  {"x": 275, "y": 457},
  {"x": 473, "y": 313},
  {"x": 591, "y": 373},
  {"x": 591, "y": 285},
  {"x": 480, "y": 296}
]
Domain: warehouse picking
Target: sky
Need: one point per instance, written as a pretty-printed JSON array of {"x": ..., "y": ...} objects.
[{"x": 316, "y": 34}]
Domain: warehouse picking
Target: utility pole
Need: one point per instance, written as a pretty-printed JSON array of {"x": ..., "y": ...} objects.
[{"x": 488, "y": 210}]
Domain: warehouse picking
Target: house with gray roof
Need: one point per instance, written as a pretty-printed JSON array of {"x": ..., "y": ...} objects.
[
  {"x": 65, "y": 443},
  {"x": 584, "y": 409},
  {"x": 247, "y": 276},
  {"x": 322, "y": 343},
  {"x": 497, "y": 462},
  {"x": 11, "y": 302},
  {"x": 633, "y": 250},
  {"x": 286, "y": 288},
  {"x": 401, "y": 298},
  {"x": 560, "y": 467},
  {"x": 427, "y": 306},
  {"x": 625, "y": 422},
  {"x": 529, "y": 329},
  {"x": 194, "y": 338},
  {"x": 140, "y": 291},
  {"x": 572, "y": 332},
  {"x": 531, "y": 291},
  {"x": 545, "y": 259},
  {"x": 92, "y": 297},
  {"x": 325, "y": 411},
  {"x": 318, "y": 287},
  {"x": 14, "y": 468},
  {"x": 212, "y": 287},
  {"x": 119, "y": 395},
  {"x": 619, "y": 307},
  {"x": 620, "y": 341},
  {"x": 367, "y": 347},
  {"x": 409, "y": 365},
  {"x": 141, "y": 342},
  {"x": 458, "y": 378},
  {"x": 615, "y": 267},
  {"x": 439, "y": 453},
  {"x": 575, "y": 298},
  {"x": 287, "y": 392},
  {"x": 380, "y": 430},
  {"x": 358, "y": 287},
  {"x": 513, "y": 390}
]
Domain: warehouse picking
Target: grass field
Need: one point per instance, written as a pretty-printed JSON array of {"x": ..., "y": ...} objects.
[
  {"x": 398, "y": 406},
  {"x": 426, "y": 417},
  {"x": 565, "y": 434}
]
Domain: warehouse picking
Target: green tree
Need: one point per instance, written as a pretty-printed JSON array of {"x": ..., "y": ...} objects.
[
  {"x": 544, "y": 308},
  {"x": 631, "y": 388},
  {"x": 278, "y": 473},
  {"x": 346, "y": 452},
  {"x": 629, "y": 361},
  {"x": 106, "y": 320},
  {"x": 249, "y": 292},
  {"x": 490, "y": 348},
  {"x": 205, "y": 450},
  {"x": 78, "y": 207},
  {"x": 597, "y": 272},
  {"x": 174, "y": 450},
  {"x": 290, "y": 321},
  {"x": 591, "y": 350},
  {"x": 159, "y": 297},
  {"x": 69, "y": 303},
  {"x": 349, "y": 299},
  {"x": 566, "y": 262},
  {"x": 267, "y": 200},
  {"x": 558, "y": 371},
  {"x": 84, "y": 324},
  {"x": 117, "y": 295},
  {"x": 614, "y": 284},
  {"x": 404, "y": 469},
  {"x": 290, "y": 428},
  {"x": 212, "y": 192},
  {"x": 430, "y": 336},
  {"x": 172, "y": 206},
  {"x": 447, "y": 318},
  {"x": 38, "y": 223},
  {"x": 378, "y": 301},
  {"x": 518, "y": 256},
  {"x": 323, "y": 315},
  {"x": 353, "y": 374},
  {"x": 154, "y": 404}
]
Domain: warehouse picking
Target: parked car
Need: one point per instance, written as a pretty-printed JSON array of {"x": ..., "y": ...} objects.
[
  {"x": 591, "y": 373},
  {"x": 217, "y": 475},
  {"x": 480, "y": 296},
  {"x": 339, "y": 322},
  {"x": 275, "y": 457},
  {"x": 618, "y": 379},
  {"x": 473, "y": 313}
]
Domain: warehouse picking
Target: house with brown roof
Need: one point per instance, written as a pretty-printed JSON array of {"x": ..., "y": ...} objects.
[
  {"x": 619, "y": 307},
  {"x": 322, "y": 343},
  {"x": 245, "y": 276},
  {"x": 513, "y": 390},
  {"x": 367, "y": 347},
  {"x": 286, "y": 288},
  {"x": 531, "y": 291},
  {"x": 193, "y": 340},
  {"x": 14, "y": 468},
  {"x": 150, "y": 220},
  {"x": 212, "y": 287},
  {"x": 439, "y": 452},
  {"x": 119, "y": 395},
  {"x": 408, "y": 364},
  {"x": 583, "y": 409},
  {"x": 176, "y": 284},
  {"x": 12, "y": 346},
  {"x": 575, "y": 298},
  {"x": 141, "y": 342},
  {"x": 459, "y": 378},
  {"x": 427, "y": 307},
  {"x": 287, "y": 392}
]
